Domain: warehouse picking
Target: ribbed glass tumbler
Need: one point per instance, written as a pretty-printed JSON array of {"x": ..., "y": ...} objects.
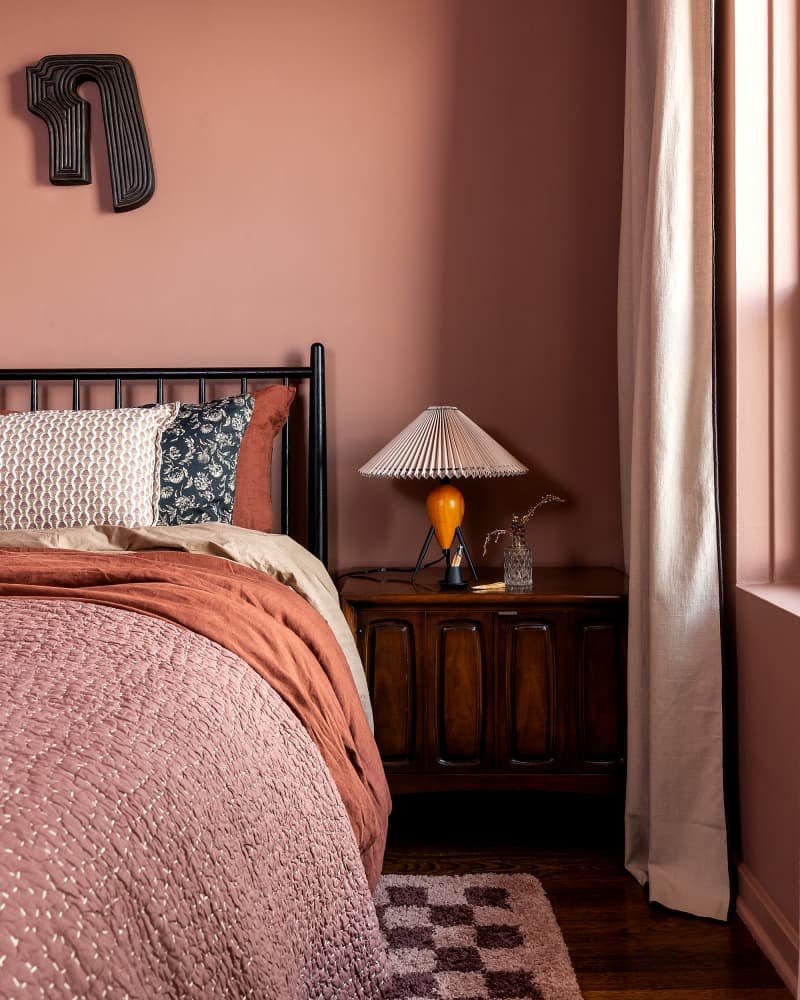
[{"x": 518, "y": 568}]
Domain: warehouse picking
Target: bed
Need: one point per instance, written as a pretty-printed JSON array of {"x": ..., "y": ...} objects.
[{"x": 191, "y": 800}]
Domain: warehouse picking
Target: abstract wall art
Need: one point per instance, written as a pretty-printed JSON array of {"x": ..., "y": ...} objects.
[{"x": 53, "y": 95}]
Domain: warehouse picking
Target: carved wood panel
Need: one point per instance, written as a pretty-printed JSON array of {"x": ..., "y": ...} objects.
[
  {"x": 600, "y": 696},
  {"x": 529, "y": 702},
  {"x": 389, "y": 654},
  {"x": 459, "y": 672}
]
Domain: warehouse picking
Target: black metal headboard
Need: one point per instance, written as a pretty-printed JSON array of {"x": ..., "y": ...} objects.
[{"x": 317, "y": 475}]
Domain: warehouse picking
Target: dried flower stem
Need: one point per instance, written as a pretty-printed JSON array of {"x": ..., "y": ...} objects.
[
  {"x": 547, "y": 498},
  {"x": 519, "y": 522},
  {"x": 493, "y": 536}
]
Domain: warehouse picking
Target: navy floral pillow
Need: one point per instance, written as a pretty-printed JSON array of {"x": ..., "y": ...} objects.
[{"x": 199, "y": 452}]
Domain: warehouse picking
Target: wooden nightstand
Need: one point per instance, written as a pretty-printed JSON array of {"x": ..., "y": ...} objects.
[{"x": 495, "y": 690}]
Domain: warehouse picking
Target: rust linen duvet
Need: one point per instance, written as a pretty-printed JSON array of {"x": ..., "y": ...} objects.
[{"x": 188, "y": 785}]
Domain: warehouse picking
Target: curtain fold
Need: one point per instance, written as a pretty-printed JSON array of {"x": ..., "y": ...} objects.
[{"x": 675, "y": 830}]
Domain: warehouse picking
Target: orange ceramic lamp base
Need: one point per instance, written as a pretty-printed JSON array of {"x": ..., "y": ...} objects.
[{"x": 445, "y": 509}]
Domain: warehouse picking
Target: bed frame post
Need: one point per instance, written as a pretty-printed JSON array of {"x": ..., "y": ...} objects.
[{"x": 317, "y": 458}]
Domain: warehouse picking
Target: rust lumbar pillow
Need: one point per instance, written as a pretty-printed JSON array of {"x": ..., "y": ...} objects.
[
  {"x": 252, "y": 506},
  {"x": 65, "y": 468}
]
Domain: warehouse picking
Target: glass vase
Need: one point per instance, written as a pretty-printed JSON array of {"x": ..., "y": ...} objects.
[{"x": 518, "y": 568}]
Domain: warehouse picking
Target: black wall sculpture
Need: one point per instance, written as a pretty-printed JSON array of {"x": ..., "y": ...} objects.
[{"x": 53, "y": 96}]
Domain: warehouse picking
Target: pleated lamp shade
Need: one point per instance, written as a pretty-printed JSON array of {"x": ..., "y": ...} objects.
[{"x": 442, "y": 443}]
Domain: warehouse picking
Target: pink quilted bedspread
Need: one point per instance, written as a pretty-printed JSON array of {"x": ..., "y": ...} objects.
[{"x": 167, "y": 826}]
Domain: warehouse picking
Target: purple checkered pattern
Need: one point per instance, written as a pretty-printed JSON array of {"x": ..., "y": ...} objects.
[{"x": 455, "y": 942}]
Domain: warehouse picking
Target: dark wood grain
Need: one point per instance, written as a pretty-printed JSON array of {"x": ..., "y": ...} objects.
[
  {"x": 495, "y": 690},
  {"x": 622, "y": 947}
]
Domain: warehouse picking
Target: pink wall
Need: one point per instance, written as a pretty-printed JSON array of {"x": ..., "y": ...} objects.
[
  {"x": 768, "y": 637},
  {"x": 770, "y": 806},
  {"x": 430, "y": 187}
]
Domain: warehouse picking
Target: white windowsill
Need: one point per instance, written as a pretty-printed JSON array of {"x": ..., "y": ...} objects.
[{"x": 782, "y": 595}]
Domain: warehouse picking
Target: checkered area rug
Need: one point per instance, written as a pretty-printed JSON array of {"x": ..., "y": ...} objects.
[{"x": 472, "y": 937}]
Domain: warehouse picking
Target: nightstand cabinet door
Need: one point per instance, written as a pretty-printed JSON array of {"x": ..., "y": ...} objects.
[
  {"x": 457, "y": 689},
  {"x": 529, "y": 680},
  {"x": 488, "y": 690},
  {"x": 600, "y": 694},
  {"x": 390, "y": 645}
]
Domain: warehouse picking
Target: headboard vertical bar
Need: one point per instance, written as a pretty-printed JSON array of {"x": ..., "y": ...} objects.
[
  {"x": 76, "y": 394},
  {"x": 34, "y": 394},
  {"x": 117, "y": 393},
  {"x": 317, "y": 458},
  {"x": 285, "y": 476},
  {"x": 159, "y": 390},
  {"x": 243, "y": 386},
  {"x": 201, "y": 390}
]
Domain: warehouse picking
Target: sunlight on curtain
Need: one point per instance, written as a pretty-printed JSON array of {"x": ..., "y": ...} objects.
[{"x": 675, "y": 819}]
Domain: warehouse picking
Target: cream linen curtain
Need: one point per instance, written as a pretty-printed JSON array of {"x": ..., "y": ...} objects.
[{"x": 675, "y": 820}]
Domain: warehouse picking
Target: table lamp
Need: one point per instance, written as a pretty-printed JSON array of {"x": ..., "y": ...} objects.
[{"x": 444, "y": 444}]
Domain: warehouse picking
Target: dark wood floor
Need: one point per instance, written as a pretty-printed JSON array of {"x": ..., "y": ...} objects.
[{"x": 622, "y": 948}]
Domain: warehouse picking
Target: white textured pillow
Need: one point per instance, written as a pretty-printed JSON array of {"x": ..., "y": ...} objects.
[{"x": 63, "y": 469}]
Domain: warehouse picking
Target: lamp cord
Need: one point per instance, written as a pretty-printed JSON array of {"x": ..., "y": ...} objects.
[{"x": 373, "y": 570}]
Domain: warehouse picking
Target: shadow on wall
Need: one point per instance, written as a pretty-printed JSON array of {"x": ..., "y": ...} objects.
[{"x": 530, "y": 227}]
